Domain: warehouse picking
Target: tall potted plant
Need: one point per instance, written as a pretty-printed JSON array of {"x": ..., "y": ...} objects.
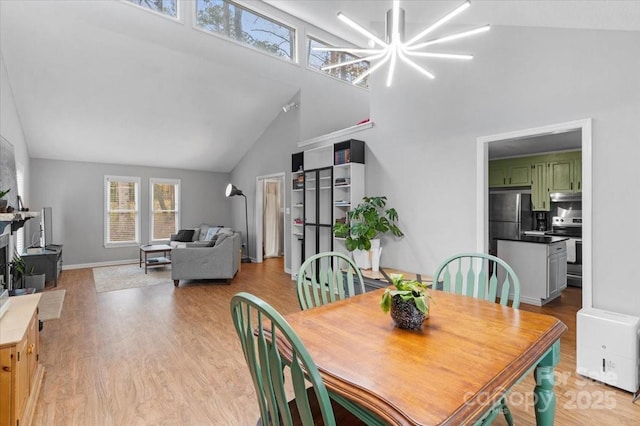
[{"x": 366, "y": 223}]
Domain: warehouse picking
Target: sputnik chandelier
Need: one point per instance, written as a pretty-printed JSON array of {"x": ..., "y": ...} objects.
[{"x": 394, "y": 47}]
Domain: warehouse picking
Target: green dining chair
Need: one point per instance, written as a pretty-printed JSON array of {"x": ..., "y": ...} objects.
[
  {"x": 483, "y": 276},
  {"x": 326, "y": 277},
  {"x": 479, "y": 275},
  {"x": 258, "y": 326}
]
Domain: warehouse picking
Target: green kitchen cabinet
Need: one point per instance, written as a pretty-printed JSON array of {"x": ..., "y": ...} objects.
[
  {"x": 520, "y": 174},
  {"x": 506, "y": 173},
  {"x": 565, "y": 174},
  {"x": 539, "y": 193},
  {"x": 560, "y": 175},
  {"x": 497, "y": 174},
  {"x": 577, "y": 175}
]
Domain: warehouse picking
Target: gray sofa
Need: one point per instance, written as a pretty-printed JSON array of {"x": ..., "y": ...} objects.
[{"x": 217, "y": 258}]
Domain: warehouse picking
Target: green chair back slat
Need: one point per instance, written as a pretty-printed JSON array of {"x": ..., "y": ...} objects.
[
  {"x": 483, "y": 284},
  {"x": 268, "y": 368},
  {"x": 482, "y": 278},
  {"x": 327, "y": 277},
  {"x": 471, "y": 280}
]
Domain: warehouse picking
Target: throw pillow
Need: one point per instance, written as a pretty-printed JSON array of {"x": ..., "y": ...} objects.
[
  {"x": 211, "y": 233},
  {"x": 185, "y": 235}
]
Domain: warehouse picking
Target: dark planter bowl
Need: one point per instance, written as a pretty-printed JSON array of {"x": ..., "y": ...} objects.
[{"x": 405, "y": 314}]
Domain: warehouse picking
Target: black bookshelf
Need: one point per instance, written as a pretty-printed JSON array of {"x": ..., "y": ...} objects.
[{"x": 350, "y": 151}]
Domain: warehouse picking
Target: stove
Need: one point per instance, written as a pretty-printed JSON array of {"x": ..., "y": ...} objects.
[{"x": 564, "y": 226}]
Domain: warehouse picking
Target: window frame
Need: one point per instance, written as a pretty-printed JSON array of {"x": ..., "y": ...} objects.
[
  {"x": 164, "y": 181},
  {"x": 262, "y": 14},
  {"x": 308, "y": 38},
  {"x": 113, "y": 178},
  {"x": 177, "y": 18}
]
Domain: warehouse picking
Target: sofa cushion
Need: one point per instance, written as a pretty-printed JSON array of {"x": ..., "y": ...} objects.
[
  {"x": 185, "y": 235},
  {"x": 211, "y": 233},
  {"x": 200, "y": 244},
  {"x": 177, "y": 244}
]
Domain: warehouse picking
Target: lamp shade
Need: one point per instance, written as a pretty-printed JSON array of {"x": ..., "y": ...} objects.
[{"x": 232, "y": 191}]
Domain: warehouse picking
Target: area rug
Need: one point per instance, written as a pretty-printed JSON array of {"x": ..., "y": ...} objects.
[
  {"x": 50, "y": 305},
  {"x": 110, "y": 278}
]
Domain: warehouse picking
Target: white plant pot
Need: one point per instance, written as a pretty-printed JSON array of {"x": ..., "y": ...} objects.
[
  {"x": 35, "y": 281},
  {"x": 363, "y": 258},
  {"x": 375, "y": 259}
]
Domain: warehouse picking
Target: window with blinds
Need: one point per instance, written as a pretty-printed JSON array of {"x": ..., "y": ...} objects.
[
  {"x": 122, "y": 214},
  {"x": 165, "y": 212}
]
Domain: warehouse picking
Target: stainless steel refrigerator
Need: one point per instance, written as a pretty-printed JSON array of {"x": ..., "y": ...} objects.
[{"x": 510, "y": 215}]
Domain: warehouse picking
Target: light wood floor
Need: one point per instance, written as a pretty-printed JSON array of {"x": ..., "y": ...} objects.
[{"x": 169, "y": 356}]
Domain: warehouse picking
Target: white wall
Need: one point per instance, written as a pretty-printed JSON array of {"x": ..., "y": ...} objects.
[
  {"x": 326, "y": 105},
  {"x": 11, "y": 127},
  {"x": 422, "y": 150},
  {"x": 75, "y": 191}
]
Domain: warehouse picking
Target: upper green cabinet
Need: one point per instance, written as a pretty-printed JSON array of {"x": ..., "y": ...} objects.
[
  {"x": 539, "y": 195},
  {"x": 560, "y": 175},
  {"x": 565, "y": 174},
  {"x": 557, "y": 172},
  {"x": 506, "y": 173}
]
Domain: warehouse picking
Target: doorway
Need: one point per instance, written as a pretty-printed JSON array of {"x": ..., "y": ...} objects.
[
  {"x": 517, "y": 139},
  {"x": 270, "y": 202}
]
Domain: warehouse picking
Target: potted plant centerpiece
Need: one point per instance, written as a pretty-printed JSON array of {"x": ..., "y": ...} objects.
[
  {"x": 366, "y": 222},
  {"x": 408, "y": 303}
]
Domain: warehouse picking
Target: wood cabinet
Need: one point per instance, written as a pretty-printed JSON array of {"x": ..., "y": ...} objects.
[{"x": 20, "y": 371}]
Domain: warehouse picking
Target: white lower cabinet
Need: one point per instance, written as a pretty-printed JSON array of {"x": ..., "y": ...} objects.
[{"x": 541, "y": 268}]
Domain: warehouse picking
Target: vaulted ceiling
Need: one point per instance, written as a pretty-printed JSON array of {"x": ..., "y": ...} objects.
[{"x": 103, "y": 81}]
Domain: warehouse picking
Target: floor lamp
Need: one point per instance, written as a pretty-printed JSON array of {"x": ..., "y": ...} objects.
[{"x": 232, "y": 191}]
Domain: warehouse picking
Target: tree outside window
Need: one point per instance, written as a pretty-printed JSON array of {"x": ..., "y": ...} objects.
[
  {"x": 122, "y": 222},
  {"x": 317, "y": 59},
  {"x": 245, "y": 26},
  {"x": 166, "y": 7},
  {"x": 164, "y": 208}
]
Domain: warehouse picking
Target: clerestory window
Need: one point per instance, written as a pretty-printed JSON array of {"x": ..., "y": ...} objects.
[
  {"x": 245, "y": 26},
  {"x": 165, "y": 7},
  {"x": 317, "y": 59}
]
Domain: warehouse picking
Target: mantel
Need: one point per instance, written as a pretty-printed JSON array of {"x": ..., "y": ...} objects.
[
  {"x": 16, "y": 219},
  {"x": 337, "y": 135}
]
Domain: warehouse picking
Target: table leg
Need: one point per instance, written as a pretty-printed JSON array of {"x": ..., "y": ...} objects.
[
  {"x": 140, "y": 258},
  {"x": 544, "y": 396}
]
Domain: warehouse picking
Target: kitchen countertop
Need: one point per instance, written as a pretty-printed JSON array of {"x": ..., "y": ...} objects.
[{"x": 536, "y": 239}]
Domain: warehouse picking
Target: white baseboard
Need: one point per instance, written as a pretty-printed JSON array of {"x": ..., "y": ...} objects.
[{"x": 99, "y": 264}]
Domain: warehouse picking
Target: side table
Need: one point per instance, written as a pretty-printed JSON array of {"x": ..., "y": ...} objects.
[{"x": 154, "y": 261}]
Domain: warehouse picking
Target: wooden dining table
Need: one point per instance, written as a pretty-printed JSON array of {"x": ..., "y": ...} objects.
[{"x": 453, "y": 371}]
